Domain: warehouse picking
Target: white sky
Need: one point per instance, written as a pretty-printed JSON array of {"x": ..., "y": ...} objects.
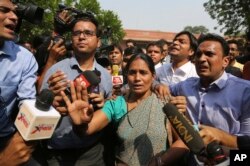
[{"x": 160, "y": 15}]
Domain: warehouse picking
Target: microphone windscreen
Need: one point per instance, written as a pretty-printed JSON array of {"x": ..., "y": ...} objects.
[
  {"x": 115, "y": 70},
  {"x": 184, "y": 129},
  {"x": 92, "y": 77},
  {"x": 44, "y": 100}
]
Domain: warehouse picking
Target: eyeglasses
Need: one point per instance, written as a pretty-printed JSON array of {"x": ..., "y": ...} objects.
[{"x": 86, "y": 33}]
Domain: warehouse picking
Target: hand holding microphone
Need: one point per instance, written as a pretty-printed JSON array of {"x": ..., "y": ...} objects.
[
  {"x": 192, "y": 138},
  {"x": 184, "y": 129},
  {"x": 79, "y": 109}
]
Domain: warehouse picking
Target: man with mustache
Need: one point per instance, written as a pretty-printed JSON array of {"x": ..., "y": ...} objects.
[{"x": 217, "y": 101}]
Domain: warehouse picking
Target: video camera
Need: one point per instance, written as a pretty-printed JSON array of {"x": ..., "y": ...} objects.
[
  {"x": 62, "y": 26},
  {"x": 29, "y": 12}
]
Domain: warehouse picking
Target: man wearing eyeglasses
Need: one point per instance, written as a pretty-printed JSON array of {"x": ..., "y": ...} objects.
[
  {"x": 66, "y": 145},
  {"x": 17, "y": 82}
]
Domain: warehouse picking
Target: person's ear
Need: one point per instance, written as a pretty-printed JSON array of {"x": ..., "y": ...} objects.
[{"x": 226, "y": 60}]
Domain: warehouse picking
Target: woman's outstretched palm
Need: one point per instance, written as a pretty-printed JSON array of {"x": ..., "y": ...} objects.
[{"x": 79, "y": 109}]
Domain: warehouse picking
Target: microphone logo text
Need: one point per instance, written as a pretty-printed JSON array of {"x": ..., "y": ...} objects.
[
  {"x": 23, "y": 119},
  {"x": 181, "y": 128},
  {"x": 43, "y": 127}
]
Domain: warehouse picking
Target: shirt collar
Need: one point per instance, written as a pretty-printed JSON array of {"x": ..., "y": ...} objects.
[
  {"x": 220, "y": 82},
  {"x": 7, "y": 49},
  {"x": 74, "y": 63},
  {"x": 184, "y": 69}
]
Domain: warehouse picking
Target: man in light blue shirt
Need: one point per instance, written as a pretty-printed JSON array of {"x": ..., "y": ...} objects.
[
  {"x": 216, "y": 99},
  {"x": 66, "y": 146},
  {"x": 17, "y": 82},
  {"x": 218, "y": 102}
]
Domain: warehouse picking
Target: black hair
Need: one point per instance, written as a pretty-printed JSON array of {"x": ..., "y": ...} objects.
[
  {"x": 192, "y": 38},
  {"x": 146, "y": 58},
  {"x": 131, "y": 41},
  {"x": 103, "y": 61},
  {"x": 217, "y": 38},
  {"x": 162, "y": 42},
  {"x": 155, "y": 43},
  {"x": 117, "y": 46},
  {"x": 91, "y": 18},
  {"x": 233, "y": 42},
  {"x": 132, "y": 50}
]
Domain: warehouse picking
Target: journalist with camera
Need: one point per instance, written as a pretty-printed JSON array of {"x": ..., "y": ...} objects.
[
  {"x": 57, "y": 47},
  {"x": 17, "y": 82}
]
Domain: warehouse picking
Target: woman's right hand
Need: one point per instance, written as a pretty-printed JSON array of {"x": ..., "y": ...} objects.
[{"x": 79, "y": 109}]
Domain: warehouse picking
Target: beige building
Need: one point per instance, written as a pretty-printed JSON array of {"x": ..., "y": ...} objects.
[{"x": 143, "y": 37}]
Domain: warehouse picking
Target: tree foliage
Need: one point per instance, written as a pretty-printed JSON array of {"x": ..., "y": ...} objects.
[
  {"x": 232, "y": 15},
  {"x": 105, "y": 18},
  {"x": 196, "y": 29}
]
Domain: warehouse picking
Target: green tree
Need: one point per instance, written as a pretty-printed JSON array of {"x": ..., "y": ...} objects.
[
  {"x": 105, "y": 18},
  {"x": 232, "y": 15},
  {"x": 196, "y": 29}
]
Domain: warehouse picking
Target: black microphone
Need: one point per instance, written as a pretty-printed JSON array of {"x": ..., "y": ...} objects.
[
  {"x": 215, "y": 153},
  {"x": 44, "y": 100},
  {"x": 191, "y": 137},
  {"x": 90, "y": 79},
  {"x": 184, "y": 129}
]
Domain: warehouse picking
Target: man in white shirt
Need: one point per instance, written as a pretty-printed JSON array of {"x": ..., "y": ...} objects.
[{"x": 182, "y": 51}]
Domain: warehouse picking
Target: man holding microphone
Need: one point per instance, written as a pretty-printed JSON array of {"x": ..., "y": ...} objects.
[{"x": 17, "y": 82}]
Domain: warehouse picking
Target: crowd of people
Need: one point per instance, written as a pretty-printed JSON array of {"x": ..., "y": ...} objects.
[{"x": 121, "y": 122}]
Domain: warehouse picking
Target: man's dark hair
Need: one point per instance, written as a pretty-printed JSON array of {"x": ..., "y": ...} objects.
[
  {"x": 192, "y": 38},
  {"x": 132, "y": 51},
  {"x": 91, "y": 18},
  {"x": 162, "y": 42},
  {"x": 233, "y": 42},
  {"x": 218, "y": 38},
  {"x": 154, "y": 43},
  {"x": 115, "y": 45},
  {"x": 131, "y": 41}
]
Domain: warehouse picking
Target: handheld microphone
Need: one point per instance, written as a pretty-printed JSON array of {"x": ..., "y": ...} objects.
[
  {"x": 215, "y": 153},
  {"x": 90, "y": 79},
  {"x": 191, "y": 137},
  {"x": 37, "y": 119},
  {"x": 116, "y": 78},
  {"x": 184, "y": 129}
]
